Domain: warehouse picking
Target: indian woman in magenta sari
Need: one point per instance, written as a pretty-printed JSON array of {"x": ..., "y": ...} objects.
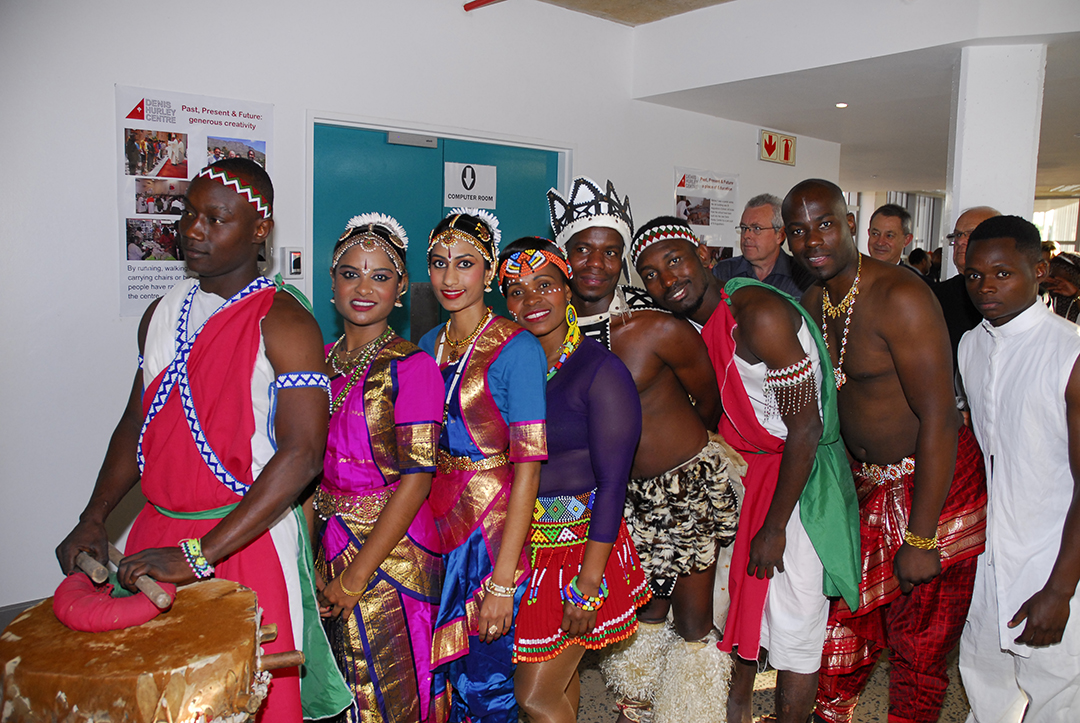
[
  {"x": 377, "y": 557},
  {"x": 492, "y": 443}
]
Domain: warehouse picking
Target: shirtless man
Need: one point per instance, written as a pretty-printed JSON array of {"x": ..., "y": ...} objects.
[
  {"x": 681, "y": 504},
  {"x": 922, "y": 503},
  {"x": 800, "y": 498}
]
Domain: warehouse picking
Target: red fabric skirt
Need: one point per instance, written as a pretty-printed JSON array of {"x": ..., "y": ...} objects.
[{"x": 538, "y": 630}]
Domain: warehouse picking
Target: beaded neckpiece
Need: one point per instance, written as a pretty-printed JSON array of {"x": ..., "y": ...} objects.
[
  {"x": 846, "y": 305},
  {"x": 569, "y": 346}
]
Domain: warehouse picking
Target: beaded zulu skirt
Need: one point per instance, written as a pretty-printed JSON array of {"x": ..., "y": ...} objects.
[{"x": 559, "y": 532}]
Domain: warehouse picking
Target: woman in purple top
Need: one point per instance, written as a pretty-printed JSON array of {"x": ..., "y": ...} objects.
[{"x": 586, "y": 581}]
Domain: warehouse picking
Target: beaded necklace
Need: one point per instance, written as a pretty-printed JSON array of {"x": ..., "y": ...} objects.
[
  {"x": 846, "y": 305},
  {"x": 569, "y": 346},
  {"x": 357, "y": 364}
]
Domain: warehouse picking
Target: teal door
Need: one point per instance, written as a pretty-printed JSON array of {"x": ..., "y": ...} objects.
[{"x": 356, "y": 171}]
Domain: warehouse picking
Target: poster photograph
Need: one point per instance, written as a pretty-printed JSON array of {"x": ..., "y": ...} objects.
[
  {"x": 709, "y": 202},
  {"x": 160, "y": 196},
  {"x": 163, "y": 140}
]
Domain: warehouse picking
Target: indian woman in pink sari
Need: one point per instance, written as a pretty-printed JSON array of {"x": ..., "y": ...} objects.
[{"x": 381, "y": 575}]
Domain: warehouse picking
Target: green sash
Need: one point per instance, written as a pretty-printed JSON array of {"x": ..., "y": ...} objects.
[{"x": 828, "y": 506}]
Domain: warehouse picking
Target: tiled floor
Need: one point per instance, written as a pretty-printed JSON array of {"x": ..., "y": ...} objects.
[{"x": 598, "y": 704}]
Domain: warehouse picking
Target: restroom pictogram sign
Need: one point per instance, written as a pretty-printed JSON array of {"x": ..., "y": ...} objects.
[{"x": 777, "y": 148}]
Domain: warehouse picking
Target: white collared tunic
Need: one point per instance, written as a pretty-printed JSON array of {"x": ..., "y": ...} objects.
[{"x": 1015, "y": 376}]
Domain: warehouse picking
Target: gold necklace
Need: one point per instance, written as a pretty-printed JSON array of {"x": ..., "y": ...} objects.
[
  {"x": 847, "y": 305},
  {"x": 844, "y": 306},
  {"x": 455, "y": 346},
  {"x": 344, "y": 362},
  {"x": 358, "y": 364}
]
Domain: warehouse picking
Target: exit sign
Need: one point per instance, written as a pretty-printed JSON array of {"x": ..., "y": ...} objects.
[{"x": 777, "y": 148}]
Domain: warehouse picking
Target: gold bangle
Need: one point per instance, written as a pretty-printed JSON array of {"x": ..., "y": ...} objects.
[
  {"x": 497, "y": 590},
  {"x": 923, "y": 543},
  {"x": 347, "y": 591}
]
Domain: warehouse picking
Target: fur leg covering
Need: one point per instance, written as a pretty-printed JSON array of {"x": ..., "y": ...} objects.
[
  {"x": 694, "y": 685},
  {"x": 633, "y": 669}
]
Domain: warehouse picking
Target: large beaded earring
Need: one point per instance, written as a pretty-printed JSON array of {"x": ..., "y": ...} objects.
[{"x": 571, "y": 317}]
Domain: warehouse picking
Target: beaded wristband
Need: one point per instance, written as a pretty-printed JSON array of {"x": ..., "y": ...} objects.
[
  {"x": 923, "y": 543},
  {"x": 572, "y": 594},
  {"x": 497, "y": 590},
  {"x": 192, "y": 549}
]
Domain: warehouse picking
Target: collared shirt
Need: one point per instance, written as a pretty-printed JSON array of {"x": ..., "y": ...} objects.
[
  {"x": 1015, "y": 375},
  {"x": 786, "y": 275}
]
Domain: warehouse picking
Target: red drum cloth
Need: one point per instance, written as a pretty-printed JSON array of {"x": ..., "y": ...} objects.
[
  {"x": 539, "y": 633},
  {"x": 81, "y": 605}
]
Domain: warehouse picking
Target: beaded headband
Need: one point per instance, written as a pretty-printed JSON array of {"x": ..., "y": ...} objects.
[
  {"x": 655, "y": 234},
  {"x": 372, "y": 231},
  {"x": 527, "y": 262},
  {"x": 588, "y": 207},
  {"x": 230, "y": 181},
  {"x": 484, "y": 234}
]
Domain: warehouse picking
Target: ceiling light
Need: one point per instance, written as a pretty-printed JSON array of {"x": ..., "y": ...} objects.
[{"x": 841, "y": 105}]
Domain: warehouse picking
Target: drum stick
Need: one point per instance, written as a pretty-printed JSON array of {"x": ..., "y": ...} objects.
[
  {"x": 146, "y": 585},
  {"x": 97, "y": 572},
  {"x": 282, "y": 660}
]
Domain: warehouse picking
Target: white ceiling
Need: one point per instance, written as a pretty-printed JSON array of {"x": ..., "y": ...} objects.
[{"x": 894, "y": 134}]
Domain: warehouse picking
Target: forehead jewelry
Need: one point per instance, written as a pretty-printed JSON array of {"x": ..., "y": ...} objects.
[
  {"x": 365, "y": 229},
  {"x": 231, "y": 181},
  {"x": 484, "y": 235},
  {"x": 847, "y": 304}
]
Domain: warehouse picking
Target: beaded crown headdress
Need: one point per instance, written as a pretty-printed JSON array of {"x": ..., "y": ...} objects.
[
  {"x": 371, "y": 231},
  {"x": 588, "y": 206},
  {"x": 484, "y": 236}
]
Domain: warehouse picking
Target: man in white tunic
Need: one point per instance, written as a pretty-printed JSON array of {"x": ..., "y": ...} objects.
[{"x": 1020, "y": 650}]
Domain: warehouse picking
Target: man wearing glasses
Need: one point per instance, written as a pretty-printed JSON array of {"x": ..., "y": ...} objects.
[
  {"x": 960, "y": 314},
  {"x": 761, "y": 233}
]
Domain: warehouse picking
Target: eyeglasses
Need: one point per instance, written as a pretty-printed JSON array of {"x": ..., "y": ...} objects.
[
  {"x": 754, "y": 230},
  {"x": 952, "y": 238}
]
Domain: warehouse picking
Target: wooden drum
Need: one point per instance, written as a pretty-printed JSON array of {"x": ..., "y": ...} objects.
[{"x": 199, "y": 661}]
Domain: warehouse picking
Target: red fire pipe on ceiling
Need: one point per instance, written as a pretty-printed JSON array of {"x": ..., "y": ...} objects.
[{"x": 478, "y": 4}]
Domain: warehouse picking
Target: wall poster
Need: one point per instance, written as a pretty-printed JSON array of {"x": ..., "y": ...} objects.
[
  {"x": 710, "y": 204},
  {"x": 163, "y": 140}
]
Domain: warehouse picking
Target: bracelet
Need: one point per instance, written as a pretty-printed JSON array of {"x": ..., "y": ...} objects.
[
  {"x": 923, "y": 543},
  {"x": 192, "y": 549},
  {"x": 493, "y": 588},
  {"x": 572, "y": 594},
  {"x": 347, "y": 591}
]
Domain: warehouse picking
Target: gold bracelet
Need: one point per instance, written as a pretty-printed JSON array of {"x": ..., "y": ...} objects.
[
  {"x": 923, "y": 543},
  {"x": 498, "y": 590},
  {"x": 347, "y": 591}
]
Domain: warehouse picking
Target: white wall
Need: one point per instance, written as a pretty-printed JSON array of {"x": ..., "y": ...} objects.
[{"x": 523, "y": 69}]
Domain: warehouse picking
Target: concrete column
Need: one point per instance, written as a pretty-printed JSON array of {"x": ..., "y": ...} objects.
[
  {"x": 868, "y": 203},
  {"x": 994, "y": 141}
]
